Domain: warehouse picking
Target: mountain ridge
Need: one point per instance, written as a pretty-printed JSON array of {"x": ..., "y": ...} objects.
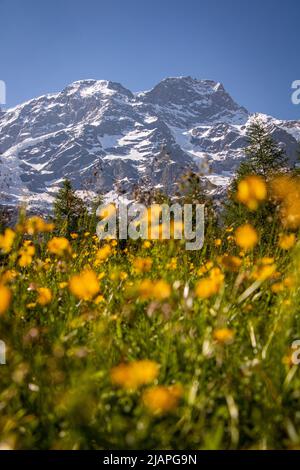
[{"x": 99, "y": 134}]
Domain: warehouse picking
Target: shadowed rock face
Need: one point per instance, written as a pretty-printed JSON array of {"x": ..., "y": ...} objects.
[{"x": 97, "y": 133}]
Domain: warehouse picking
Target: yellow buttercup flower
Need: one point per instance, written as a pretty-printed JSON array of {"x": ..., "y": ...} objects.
[
  {"x": 211, "y": 285},
  {"x": 36, "y": 224},
  {"x": 8, "y": 276},
  {"x": 134, "y": 374},
  {"x": 31, "y": 305},
  {"x": 159, "y": 290},
  {"x": 142, "y": 265},
  {"x": 63, "y": 284},
  {"x": 45, "y": 296},
  {"x": 289, "y": 281},
  {"x": 84, "y": 285},
  {"x": 99, "y": 299},
  {"x": 7, "y": 240},
  {"x": 59, "y": 246},
  {"x": 251, "y": 191},
  {"x": 205, "y": 268},
  {"x": 277, "y": 287},
  {"x": 26, "y": 254},
  {"x": 218, "y": 242},
  {"x": 264, "y": 272},
  {"x": 246, "y": 237},
  {"x": 287, "y": 241},
  {"x": 159, "y": 400},
  {"x": 286, "y": 190},
  {"x": 102, "y": 254},
  {"x": 206, "y": 288},
  {"x": 5, "y": 298},
  {"x": 223, "y": 335},
  {"x": 172, "y": 264}
]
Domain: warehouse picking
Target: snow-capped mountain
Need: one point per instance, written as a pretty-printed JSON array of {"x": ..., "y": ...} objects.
[{"x": 101, "y": 135}]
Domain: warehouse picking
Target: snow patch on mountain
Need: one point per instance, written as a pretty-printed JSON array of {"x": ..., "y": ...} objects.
[{"x": 101, "y": 135}]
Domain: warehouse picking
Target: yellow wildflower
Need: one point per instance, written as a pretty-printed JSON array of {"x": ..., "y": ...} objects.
[
  {"x": 142, "y": 265},
  {"x": 84, "y": 285},
  {"x": 223, "y": 335},
  {"x": 251, "y": 191},
  {"x": 26, "y": 254},
  {"x": 7, "y": 240},
  {"x": 102, "y": 254},
  {"x": 263, "y": 272},
  {"x": 205, "y": 268},
  {"x": 159, "y": 400},
  {"x": 286, "y": 190},
  {"x": 289, "y": 281},
  {"x": 145, "y": 288},
  {"x": 31, "y": 305},
  {"x": 161, "y": 290},
  {"x": 99, "y": 299},
  {"x": 63, "y": 284},
  {"x": 8, "y": 276},
  {"x": 277, "y": 287},
  {"x": 45, "y": 296},
  {"x": 172, "y": 264},
  {"x": 59, "y": 246},
  {"x": 287, "y": 241},
  {"x": 206, "y": 288},
  {"x": 246, "y": 237},
  {"x": 36, "y": 224},
  {"x": 134, "y": 374},
  {"x": 211, "y": 285},
  {"x": 5, "y": 298}
]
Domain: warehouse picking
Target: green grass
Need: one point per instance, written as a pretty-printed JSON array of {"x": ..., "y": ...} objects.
[{"x": 56, "y": 390}]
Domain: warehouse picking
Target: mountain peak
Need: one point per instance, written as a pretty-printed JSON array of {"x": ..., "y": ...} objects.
[
  {"x": 97, "y": 132},
  {"x": 90, "y": 87}
]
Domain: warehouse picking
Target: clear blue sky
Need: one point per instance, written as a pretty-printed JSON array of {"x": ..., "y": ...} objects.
[{"x": 251, "y": 46}]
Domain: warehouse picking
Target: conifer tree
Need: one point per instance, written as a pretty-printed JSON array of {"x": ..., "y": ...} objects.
[
  {"x": 69, "y": 209},
  {"x": 263, "y": 157}
]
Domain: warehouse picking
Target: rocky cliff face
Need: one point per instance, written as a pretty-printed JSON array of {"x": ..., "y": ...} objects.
[{"x": 99, "y": 134}]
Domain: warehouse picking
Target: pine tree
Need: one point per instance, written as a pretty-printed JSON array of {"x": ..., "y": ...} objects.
[
  {"x": 69, "y": 209},
  {"x": 263, "y": 157}
]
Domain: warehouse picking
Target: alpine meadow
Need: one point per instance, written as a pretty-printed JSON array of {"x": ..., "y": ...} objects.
[
  {"x": 149, "y": 233},
  {"x": 143, "y": 344}
]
